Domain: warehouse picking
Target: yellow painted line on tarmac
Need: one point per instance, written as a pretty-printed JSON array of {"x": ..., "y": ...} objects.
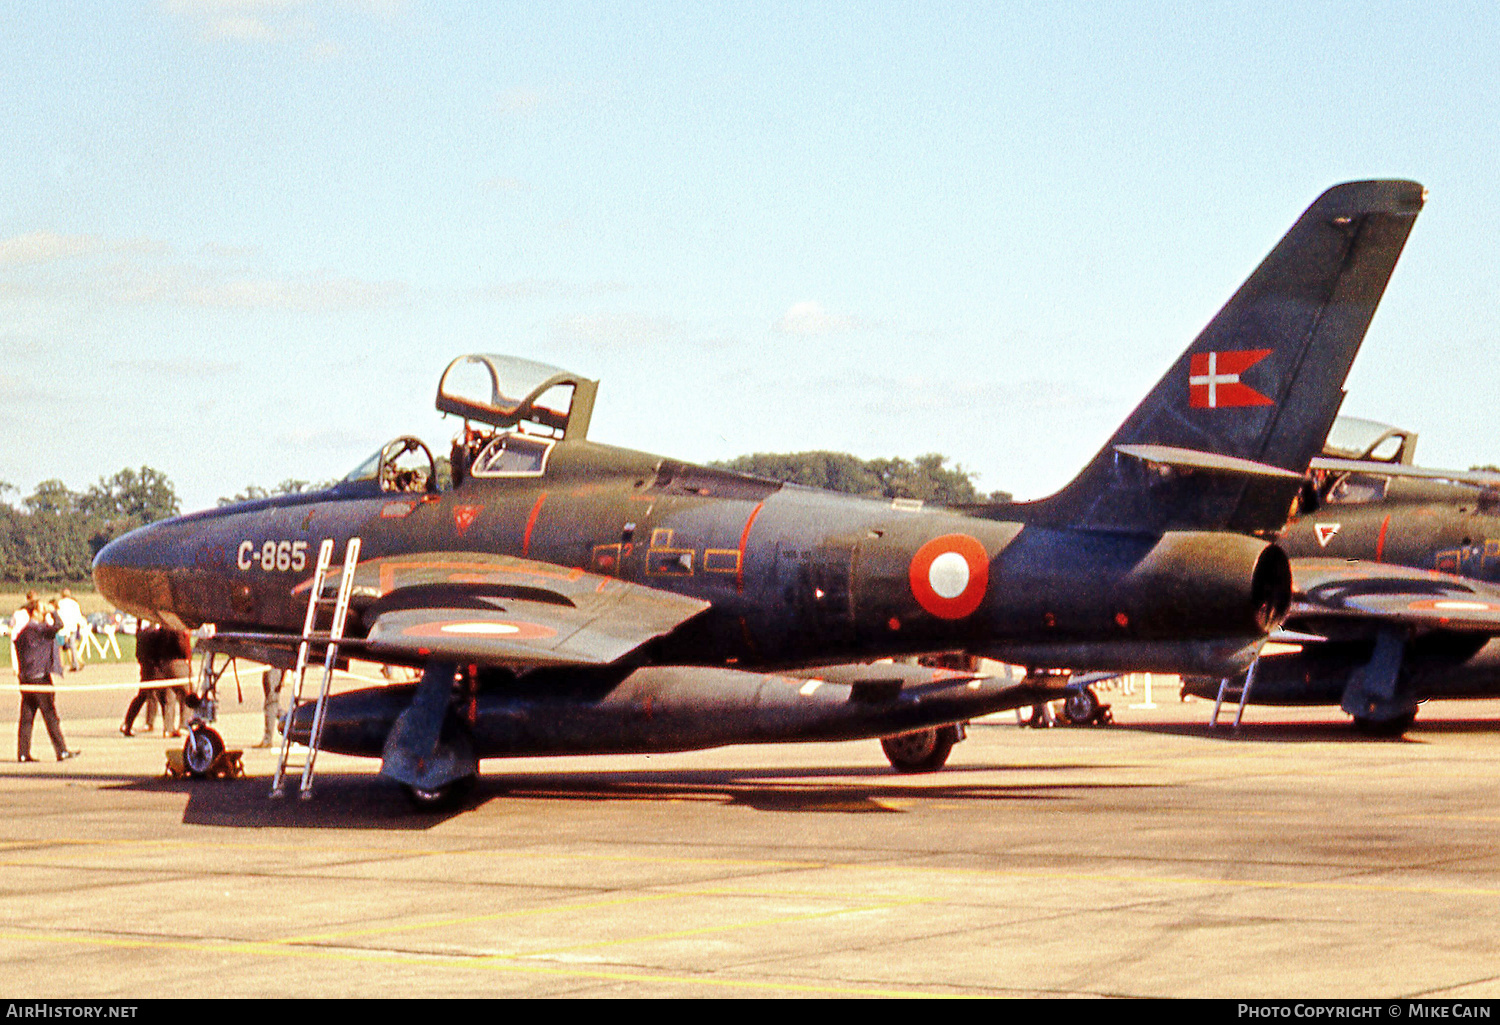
[
  {"x": 559, "y": 909},
  {"x": 348, "y": 857},
  {"x": 352, "y": 854},
  {"x": 441, "y": 923},
  {"x": 681, "y": 934},
  {"x": 491, "y": 964},
  {"x": 1251, "y": 884}
]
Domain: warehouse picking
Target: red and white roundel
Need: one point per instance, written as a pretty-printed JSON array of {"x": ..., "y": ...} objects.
[
  {"x": 949, "y": 575},
  {"x": 1454, "y": 605},
  {"x": 481, "y": 628}
]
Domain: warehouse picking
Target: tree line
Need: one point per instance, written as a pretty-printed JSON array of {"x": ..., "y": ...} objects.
[
  {"x": 927, "y": 477},
  {"x": 53, "y": 534},
  {"x": 51, "y": 537}
]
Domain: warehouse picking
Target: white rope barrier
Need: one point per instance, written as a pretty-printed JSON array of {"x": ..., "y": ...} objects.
[{"x": 77, "y": 688}]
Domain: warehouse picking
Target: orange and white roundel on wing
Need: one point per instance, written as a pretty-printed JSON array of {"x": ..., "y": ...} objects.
[
  {"x": 488, "y": 628},
  {"x": 949, "y": 575}
]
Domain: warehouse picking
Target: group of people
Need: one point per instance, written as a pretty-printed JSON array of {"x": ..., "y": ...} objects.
[
  {"x": 34, "y": 631},
  {"x": 43, "y": 631},
  {"x": 163, "y": 655},
  {"x": 46, "y": 634}
]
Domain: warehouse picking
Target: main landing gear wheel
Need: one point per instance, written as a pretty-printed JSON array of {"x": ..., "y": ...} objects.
[
  {"x": 921, "y": 751},
  {"x": 201, "y": 749},
  {"x": 1081, "y": 707},
  {"x": 1385, "y": 727},
  {"x": 441, "y": 797}
]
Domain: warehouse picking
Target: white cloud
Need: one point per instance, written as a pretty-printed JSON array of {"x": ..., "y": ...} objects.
[
  {"x": 321, "y": 292},
  {"x": 612, "y": 330},
  {"x": 809, "y": 318},
  {"x": 275, "y": 21},
  {"x": 519, "y": 102},
  {"x": 500, "y": 184},
  {"x": 45, "y": 247},
  {"x": 537, "y": 288},
  {"x": 140, "y": 271},
  {"x": 175, "y": 370}
]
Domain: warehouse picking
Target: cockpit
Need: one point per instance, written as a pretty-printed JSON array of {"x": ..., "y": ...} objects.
[
  {"x": 402, "y": 466},
  {"x": 515, "y": 411},
  {"x": 1366, "y": 441}
]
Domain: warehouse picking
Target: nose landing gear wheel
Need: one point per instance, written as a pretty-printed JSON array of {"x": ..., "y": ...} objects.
[
  {"x": 438, "y": 798},
  {"x": 201, "y": 749},
  {"x": 1385, "y": 727},
  {"x": 921, "y": 751}
]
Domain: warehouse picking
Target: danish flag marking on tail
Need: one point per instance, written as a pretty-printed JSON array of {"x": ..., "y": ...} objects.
[{"x": 1214, "y": 379}]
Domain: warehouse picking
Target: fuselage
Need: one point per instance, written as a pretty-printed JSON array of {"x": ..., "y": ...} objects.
[
  {"x": 1451, "y": 528},
  {"x": 794, "y": 576},
  {"x": 1418, "y": 523}
]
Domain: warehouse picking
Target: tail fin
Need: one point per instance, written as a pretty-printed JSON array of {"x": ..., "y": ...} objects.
[{"x": 1223, "y": 440}]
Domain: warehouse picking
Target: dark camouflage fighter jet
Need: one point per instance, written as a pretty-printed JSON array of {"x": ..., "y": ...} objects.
[
  {"x": 1396, "y": 587},
  {"x": 564, "y": 596}
]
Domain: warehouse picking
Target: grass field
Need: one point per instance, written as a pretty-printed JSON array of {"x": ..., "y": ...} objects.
[
  {"x": 126, "y": 643},
  {"x": 89, "y": 601}
]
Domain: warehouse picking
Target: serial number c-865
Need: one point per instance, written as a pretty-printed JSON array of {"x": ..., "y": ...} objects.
[{"x": 273, "y": 555}]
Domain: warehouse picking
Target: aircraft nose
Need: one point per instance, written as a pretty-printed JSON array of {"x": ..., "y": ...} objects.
[{"x": 131, "y": 572}]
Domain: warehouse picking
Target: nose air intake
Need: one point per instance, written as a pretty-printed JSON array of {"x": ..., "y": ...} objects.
[{"x": 129, "y": 574}]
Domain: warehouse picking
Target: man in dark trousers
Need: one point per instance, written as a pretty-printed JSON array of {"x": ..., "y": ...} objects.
[
  {"x": 36, "y": 651},
  {"x": 147, "y": 655}
]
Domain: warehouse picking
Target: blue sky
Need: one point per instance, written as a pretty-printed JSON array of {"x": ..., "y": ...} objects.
[{"x": 240, "y": 239}]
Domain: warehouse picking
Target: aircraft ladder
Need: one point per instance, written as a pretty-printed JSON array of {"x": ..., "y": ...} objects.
[
  {"x": 309, "y": 634},
  {"x": 1226, "y": 686}
]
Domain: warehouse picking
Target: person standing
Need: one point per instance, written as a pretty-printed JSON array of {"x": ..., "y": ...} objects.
[
  {"x": 71, "y": 634},
  {"x": 36, "y": 652},
  {"x": 176, "y": 653},
  {"x": 270, "y": 685},
  {"x": 147, "y": 657}
]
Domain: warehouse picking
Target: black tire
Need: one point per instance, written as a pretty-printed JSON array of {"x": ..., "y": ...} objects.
[
  {"x": 1385, "y": 727},
  {"x": 442, "y": 798},
  {"x": 200, "y": 750},
  {"x": 921, "y": 750},
  {"x": 1081, "y": 707}
]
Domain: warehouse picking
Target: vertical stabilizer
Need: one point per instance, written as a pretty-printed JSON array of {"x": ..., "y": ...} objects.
[{"x": 1223, "y": 439}]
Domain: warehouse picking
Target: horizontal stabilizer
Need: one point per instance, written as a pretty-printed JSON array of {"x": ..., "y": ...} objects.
[
  {"x": 1478, "y": 478},
  {"x": 1210, "y": 462}
]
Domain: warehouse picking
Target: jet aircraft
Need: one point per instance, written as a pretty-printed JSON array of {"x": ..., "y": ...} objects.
[
  {"x": 561, "y": 595},
  {"x": 1396, "y": 586}
]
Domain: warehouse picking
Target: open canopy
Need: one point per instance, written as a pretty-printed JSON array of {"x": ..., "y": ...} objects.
[
  {"x": 1353, "y": 438},
  {"x": 506, "y": 391}
]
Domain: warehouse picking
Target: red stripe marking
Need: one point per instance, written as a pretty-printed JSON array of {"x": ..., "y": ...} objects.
[
  {"x": 739, "y": 577},
  {"x": 1380, "y": 541},
  {"x": 531, "y": 522}
]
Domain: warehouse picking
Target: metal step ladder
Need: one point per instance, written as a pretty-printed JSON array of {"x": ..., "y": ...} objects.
[
  {"x": 1226, "y": 686},
  {"x": 334, "y": 634}
]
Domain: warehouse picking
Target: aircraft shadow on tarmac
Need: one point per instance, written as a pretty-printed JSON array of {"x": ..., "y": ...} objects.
[
  {"x": 1323, "y": 732},
  {"x": 359, "y": 801}
]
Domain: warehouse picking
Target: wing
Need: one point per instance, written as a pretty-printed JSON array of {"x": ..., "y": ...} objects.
[
  {"x": 1332, "y": 593},
  {"x": 493, "y": 610}
]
